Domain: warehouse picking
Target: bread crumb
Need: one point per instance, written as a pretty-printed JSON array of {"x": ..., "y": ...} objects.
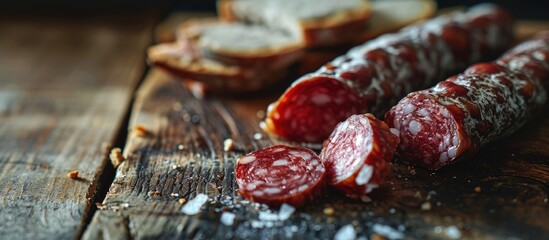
[
  {"x": 413, "y": 171},
  {"x": 329, "y": 211},
  {"x": 73, "y": 175},
  {"x": 426, "y": 206},
  {"x": 198, "y": 89},
  {"x": 477, "y": 189},
  {"x": 141, "y": 131},
  {"x": 376, "y": 236},
  {"x": 100, "y": 206},
  {"x": 155, "y": 193},
  {"x": 228, "y": 145},
  {"x": 116, "y": 157},
  {"x": 182, "y": 201}
]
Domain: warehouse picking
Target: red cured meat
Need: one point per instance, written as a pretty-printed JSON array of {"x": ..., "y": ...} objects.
[
  {"x": 328, "y": 99},
  {"x": 457, "y": 117},
  {"x": 374, "y": 76},
  {"x": 357, "y": 155},
  {"x": 280, "y": 174}
]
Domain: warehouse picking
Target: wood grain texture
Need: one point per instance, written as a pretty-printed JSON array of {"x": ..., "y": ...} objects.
[
  {"x": 181, "y": 157},
  {"x": 142, "y": 203},
  {"x": 66, "y": 84}
]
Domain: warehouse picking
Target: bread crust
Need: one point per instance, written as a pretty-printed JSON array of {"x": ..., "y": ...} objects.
[
  {"x": 235, "y": 71},
  {"x": 275, "y": 57},
  {"x": 349, "y": 26},
  {"x": 337, "y": 28},
  {"x": 377, "y": 26},
  {"x": 218, "y": 77}
]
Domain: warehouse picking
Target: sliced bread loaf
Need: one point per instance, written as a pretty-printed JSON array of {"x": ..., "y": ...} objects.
[
  {"x": 317, "y": 22},
  {"x": 232, "y": 57},
  {"x": 244, "y": 57},
  {"x": 241, "y": 44},
  {"x": 394, "y": 14}
]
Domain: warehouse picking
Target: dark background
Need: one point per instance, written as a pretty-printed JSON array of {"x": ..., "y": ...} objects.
[{"x": 521, "y": 9}]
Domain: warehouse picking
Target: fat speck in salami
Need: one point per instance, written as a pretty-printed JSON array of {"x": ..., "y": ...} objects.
[
  {"x": 374, "y": 76},
  {"x": 280, "y": 174},
  {"x": 457, "y": 117},
  {"x": 357, "y": 154}
]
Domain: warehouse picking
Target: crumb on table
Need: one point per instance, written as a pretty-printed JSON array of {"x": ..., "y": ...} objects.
[
  {"x": 328, "y": 211},
  {"x": 155, "y": 193},
  {"x": 426, "y": 206},
  {"x": 141, "y": 131},
  {"x": 73, "y": 175},
  {"x": 228, "y": 145},
  {"x": 116, "y": 157}
]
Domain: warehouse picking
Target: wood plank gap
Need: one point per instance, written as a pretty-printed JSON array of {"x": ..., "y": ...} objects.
[{"x": 105, "y": 175}]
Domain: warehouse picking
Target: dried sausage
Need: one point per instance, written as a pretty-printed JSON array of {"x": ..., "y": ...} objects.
[
  {"x": 457, "y": 117},
  {"x": 374, "y": 76}
]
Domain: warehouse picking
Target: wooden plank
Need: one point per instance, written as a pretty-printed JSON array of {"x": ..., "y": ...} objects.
[
  {"x": 501, "y": 194},
  {"x": 157, "y": 163},
  {"x": 66, "y": 84}
]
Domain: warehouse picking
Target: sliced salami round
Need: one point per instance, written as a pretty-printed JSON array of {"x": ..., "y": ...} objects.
[
  {"x": 357, "y": 154},
  {"x": 457, "y": 117},
  {"x": 280, "y": 174},
  {"x": 374, "y": 76}
]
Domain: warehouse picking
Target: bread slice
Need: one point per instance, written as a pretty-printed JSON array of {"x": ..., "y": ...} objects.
[
  {"x": 317, "y": 22},
  {"x": 392, "y": 15},
  {"x": 237, "y": 57},
  {"x": 241, "y": 44},
  {"x": 228, "y": 57},
  {"x": 218, "y": 77}
]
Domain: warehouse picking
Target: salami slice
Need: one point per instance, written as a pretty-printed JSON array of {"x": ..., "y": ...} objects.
[
  {"x": 280, "y": 174},
  {"x": 357, "y": 154},
  {"x": 374, "y": 76},
  {"x": 457, "y": 117}
]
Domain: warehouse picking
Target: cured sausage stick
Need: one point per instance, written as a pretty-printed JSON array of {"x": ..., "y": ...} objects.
[
  {"x": 374, "y": 76},
  {"x": 457, "y": 117}
]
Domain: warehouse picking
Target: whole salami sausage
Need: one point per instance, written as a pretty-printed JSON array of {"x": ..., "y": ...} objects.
[
  {"x": 374, "y": 76},
  {"x": 457, "y": 117},
  {"x": 357, "y": 155},
  {"x": 280, "y": 174}
]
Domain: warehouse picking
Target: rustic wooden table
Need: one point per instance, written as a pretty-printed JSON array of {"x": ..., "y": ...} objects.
[{"x": 74, "y": 87}]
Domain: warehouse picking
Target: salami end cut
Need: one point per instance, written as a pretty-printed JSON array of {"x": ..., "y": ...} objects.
[
  {"x": 457, "y": 117},
  {"x": 328, "y": 99},
  {"x": 280, "y": 174},
  {"x": 357, "y": 154}
]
